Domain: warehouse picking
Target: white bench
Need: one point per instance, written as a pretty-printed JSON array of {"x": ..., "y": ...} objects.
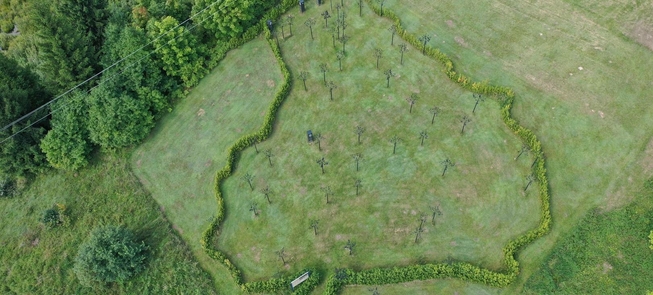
[{"x": 299, "y": 280}]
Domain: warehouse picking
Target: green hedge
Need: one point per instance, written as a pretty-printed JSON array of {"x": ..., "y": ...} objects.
[
  {"x": 234, "y": 151},
  {"x": 465, "y": 271},
  {"x": 278, "y": 284}
]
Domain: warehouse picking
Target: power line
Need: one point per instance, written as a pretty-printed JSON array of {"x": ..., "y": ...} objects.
[
  {"x": 104, "y": 70},
  {"x": 109, "y": 79}
]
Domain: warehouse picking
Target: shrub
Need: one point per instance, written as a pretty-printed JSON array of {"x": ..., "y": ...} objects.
[
  {"x": 51, "y": 218},
  {"x": 111, "y": 254},
  {"x": 7, "y": 188}
]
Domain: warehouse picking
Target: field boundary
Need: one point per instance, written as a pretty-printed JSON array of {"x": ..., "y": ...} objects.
[{"x": 379, "y": 276}]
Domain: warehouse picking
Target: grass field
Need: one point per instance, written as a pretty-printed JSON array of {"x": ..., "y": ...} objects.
[
  {"x": 177, "y": 163},
  {"x": 36, "y": 260},
  {"x": 607, "y": 253},
  {"x": 482, "y": 198},
  {"x": 581, "y": 71},
  {"x": 581, "y": 85}
]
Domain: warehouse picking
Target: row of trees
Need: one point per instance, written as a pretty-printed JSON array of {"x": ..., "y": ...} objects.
[{"x": 64, "y": 43}]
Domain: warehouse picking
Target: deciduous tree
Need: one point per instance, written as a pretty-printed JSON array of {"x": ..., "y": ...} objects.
[
  {"x": 249, "y": 177},
  {"x": 327, "y": 193},
  {"x": 339, "y": 56},
  {"x": 411, "y": 101},
  {"x": 111, "y": 254},
  {"x": 313, "y": 224},
  {"x": 394, "y": 141},
  {"x": 350, "y": 246},
  {"x": 268, "y": 154},
  {"x": 388, "y": 74},
  {"x": 478, "y": 98},
  {"x": 403, "y": 48},
  {"x": 304, "y": 76},
  {"x": 393, "y": 30},
  {"x": 358, "y": 183},
  {"x": 378, "y": 53},
  {"x": 266, "y": 192},
  {"x": 322, "y": 162},
  {"x": 357, "y": 157},
  {"x": 359, "y": 130},
  {"x": 447, "y": 163},
  {"x": 423, "y": 135},
  {"x": 435, "y": 111},
  {"x": 331, "y": 86},
  {"x": 424, "y": 39},
  {"x": 465, "y": 120},
  {"x": 324, "y": 69},
  {"x": 310, "y": 23}
]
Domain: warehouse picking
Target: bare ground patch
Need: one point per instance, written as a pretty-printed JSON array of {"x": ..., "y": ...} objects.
[{"x": 642, "y": 33}]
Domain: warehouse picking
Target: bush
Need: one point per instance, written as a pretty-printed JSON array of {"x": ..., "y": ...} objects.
[
  {"x": 51, "y": 218},
  {"x": 7, "y": 188},
  {"x": 111, "y": 254}
]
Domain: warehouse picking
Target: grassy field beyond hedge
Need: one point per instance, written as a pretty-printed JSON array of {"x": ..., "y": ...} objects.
[
  {"x": 177, "y": 163},
  {"x": 582, "y": 84},
  {"x": 482, "y": 198}
]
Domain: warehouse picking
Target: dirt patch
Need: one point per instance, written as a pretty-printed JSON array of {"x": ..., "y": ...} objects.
[
  {"x": 450, "y": 23},
  {"x": 607, "y": 267},
  {"x": 647, "y": 160},
  {"x": 178, "y": 229},
  {"x": 461, "y": 41},
  {"x": 201, "y": 112},
  {"x": 642, "y": 33},
  {"x": 270, "y": 83}
]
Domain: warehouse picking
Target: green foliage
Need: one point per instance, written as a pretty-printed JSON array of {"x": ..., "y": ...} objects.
[
  {"x": 118, "y": 119},
  {"x": 20, "y": 93},
  {"x": 51, "y": 218},
  {"x": 231, "y": 18},
  {"x": 180, "y": 52},
  {"x": 7, "y": 187},
  {"x": 605, "y": 253},
  {"x": 111, "y": 254},
  {"x": 144, "y": 77},
  {"x": 283, "y": 283},
  {"x": 69, "y": 38},
  {"x": 67, "y": 145}
]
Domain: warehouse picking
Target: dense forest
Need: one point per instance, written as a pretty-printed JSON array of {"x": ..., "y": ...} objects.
[{"x": 79, "y": 75}]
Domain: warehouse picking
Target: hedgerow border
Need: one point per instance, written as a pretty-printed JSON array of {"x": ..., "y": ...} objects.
[{"x": 379, "y": 276}]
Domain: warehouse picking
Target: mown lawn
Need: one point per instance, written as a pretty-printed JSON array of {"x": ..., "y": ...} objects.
[
  {"x": 582, "y": 85},
  {"x": 482, "y": 197},
  {"x": 177, "y": 163},
  {"x": 37, "y": 260}
]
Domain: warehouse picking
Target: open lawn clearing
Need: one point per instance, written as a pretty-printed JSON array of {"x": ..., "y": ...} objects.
[
  {"x": 36, "y": 260},
  {"x": 582, "y": 88},
  {"x": 177, "y": 163},
  {"x": 482, "y": 198}
]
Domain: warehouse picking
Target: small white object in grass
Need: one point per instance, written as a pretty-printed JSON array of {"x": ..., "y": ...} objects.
[
  {"x": 541, "y": 34},
  {"x": 571, "y": 74},
  {"x": 580, "y": 68}
]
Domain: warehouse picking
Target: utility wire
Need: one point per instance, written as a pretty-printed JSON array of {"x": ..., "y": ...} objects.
[
  {"x": 109, "y": 79},
  {"x": 104, "y": 70}
]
